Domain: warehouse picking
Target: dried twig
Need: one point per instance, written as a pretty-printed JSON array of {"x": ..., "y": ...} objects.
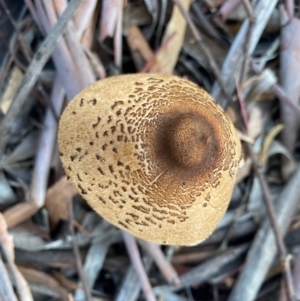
[
  {"x": 227, "y": 8},
  {"x": 134, "y": 255},
  {"x": 44, "y": 283},
  {"x": 245, "y": 64},
  {"x": 296, "y": 275},
  {"x": 139, "y": 47},
  {"x": 151, "y": 61},
  {"x": 46, "y": 145},
  {"x": 163, "y": 264},
  {"x": 290, "y": 6},
  {"x": 77, "y": 255},
  {"x": 249, "y": 10},
  {"x": 84, "y": 15},
  {"x": 285, "y": 264},
  {"x": 6, "y": 290},
  {"x": 7, "y": 249},
  {"x": 21, "y": 284},
  {"x": 118, "y": 45},
  {"x": 202, "y": 20}
]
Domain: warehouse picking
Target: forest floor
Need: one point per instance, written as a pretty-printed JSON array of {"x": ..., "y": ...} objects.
[{"x": 245, "y": 53}]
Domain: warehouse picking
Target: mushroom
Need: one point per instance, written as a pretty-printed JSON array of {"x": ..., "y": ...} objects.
[{"x": 152, "y": 154}]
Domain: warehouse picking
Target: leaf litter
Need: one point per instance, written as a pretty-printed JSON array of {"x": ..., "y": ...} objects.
[{"x": 245, "y": 53}]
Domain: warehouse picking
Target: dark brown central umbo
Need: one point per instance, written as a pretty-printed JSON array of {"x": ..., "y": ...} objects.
[{"x": 188, "y": 140}]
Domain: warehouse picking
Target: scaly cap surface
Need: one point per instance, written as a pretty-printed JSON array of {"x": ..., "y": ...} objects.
[{"x": 153, "y": 154}]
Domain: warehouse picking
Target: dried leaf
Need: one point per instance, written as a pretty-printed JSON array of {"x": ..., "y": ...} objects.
[
  {"x": 7, "y": 195},
  {"x": 167, "y": 59},
  {"x": 131, "y": 287},
  {"x": 278, "y": 148},
  {"x": 153, "y": 10},
  {"x": 137, "y": 42},
  {"x": 7, "y": 244},
  {"x": 135, "y": 15},
  {"x": 244, "y": 171},
  {"x": 6, "y": 239},
  {"x": 255, "y": 86},
  {"x": 239, "y": 15},
  {"x": 44, "y": 284},
  {"x": 290, "y": 80},
  {"x": 139, "y": 47},
  {"x": 110, "y": 13},
  {"x": 191, "y": 48},
  {"x": 263, "y": 156},
  {"x": 296, "y": 276},
  {"x": 26, "y": 240},
  {"x": 94, "y": 262},
  {"x": 25, "y": 150},
  {"x": 57, "y": 201},
  {"x": 13, "y": 84},
  {"x": 255, "y": 121}
]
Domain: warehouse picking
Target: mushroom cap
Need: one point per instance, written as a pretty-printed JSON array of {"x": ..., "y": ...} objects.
[{"x": 152, "y": 154}]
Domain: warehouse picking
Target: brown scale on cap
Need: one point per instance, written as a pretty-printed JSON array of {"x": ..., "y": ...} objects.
[{"x": 152, "y": 154}]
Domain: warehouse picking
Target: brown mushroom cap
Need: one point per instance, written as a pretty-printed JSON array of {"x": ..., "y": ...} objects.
[{"x": 153, "y": 154}]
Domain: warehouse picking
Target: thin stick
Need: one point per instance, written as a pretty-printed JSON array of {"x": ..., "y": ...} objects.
[
  {"x": 206, "y": 52},
  {"x": 6, "y": 290},
  {"x": 38, "y": 62},
  {"x": 283, "y": 97},
  {"x": 118, "y": 46},
  {"x": 245, "y": 63},
  {"x": 21, "y": 284},
  {"x": 134, "y": 255},
  {"x": 45, "y": 148},
  {"x": 242, "y": 105},
  {"x": 161, "y": 261},
  {"x": 249, "y": 10},
  {"x": 150, "y": 62},
  {"x": 202, "y": 20},
  {"x": 227, "y": 8},
  {"x": 84, "y": 16},
  {"x": 77, "y": 255},
  {"x": 273, "y": 221},
  {"x": 290, "y": 6}
]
